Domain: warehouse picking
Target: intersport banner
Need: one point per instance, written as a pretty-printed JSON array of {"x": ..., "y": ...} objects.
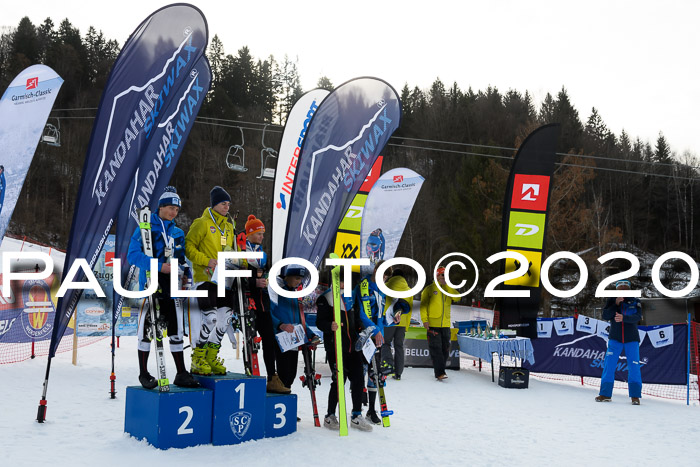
[
  {"x": 582, "y": 353},
  {"x": 347, "y": 238},
  {"x": 154, "y": 63},
  {"x": 293, "y": 136},
  {"x": 158, "y": 163},
  {"x": 388, "y": 207},
  {"x": 24, "y": 108},
  {"x": 346, "y": 135},
  {"x": 525, "y": 211}
]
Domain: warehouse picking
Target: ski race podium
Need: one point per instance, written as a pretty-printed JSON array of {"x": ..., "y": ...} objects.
[{"x": 227, "y": 409}]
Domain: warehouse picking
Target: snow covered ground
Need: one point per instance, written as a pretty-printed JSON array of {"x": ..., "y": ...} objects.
[{"x": 466, "y": 420}]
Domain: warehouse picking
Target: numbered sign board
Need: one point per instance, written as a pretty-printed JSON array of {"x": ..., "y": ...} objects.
[
  {"x": 280, "y": 415},
  {"x": 239, "y": 407},
  {"x": 176, "y": 419}
]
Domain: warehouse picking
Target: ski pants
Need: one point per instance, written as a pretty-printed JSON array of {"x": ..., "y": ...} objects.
[
  {"x": 353, "y": 369},
  {"x": 439, "y": 346},
  {"x": 634, "y": 374},
  {"x": 287, "y": 368},
  {"x": 270, "y": 350},
  {"x": 397, "y": 335},
  {"x": 217, "y": 314},
  {"x": 172, "y": 314}
]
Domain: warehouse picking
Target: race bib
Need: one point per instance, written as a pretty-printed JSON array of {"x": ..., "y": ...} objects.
[
  {"x": 661, "y": 337},
  {"x": 603, "y": 330},
  {"x": 564, "y": 326},
  {"x": 544, "y": 329},
  {"x": 586, "y": 324}
]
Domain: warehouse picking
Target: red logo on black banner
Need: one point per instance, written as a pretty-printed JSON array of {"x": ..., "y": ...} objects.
[
  {"x": 32, "y": 83},
  {"x": 530, "y": 192}
]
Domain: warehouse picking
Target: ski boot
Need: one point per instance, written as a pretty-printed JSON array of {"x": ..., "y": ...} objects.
[
  {"x": 147, "y": 381},
  {"x": 199, "y": 365},
  {"x": 185, "y": 380},
  {"x": 386, "y": 368},
  {"x": 215, "y": 363}
]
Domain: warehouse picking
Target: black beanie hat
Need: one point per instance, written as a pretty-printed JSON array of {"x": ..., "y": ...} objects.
[{"x": 218, "y": 195}]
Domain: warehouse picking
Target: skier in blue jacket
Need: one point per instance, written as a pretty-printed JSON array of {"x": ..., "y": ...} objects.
[
  {"x": 370, "y": 301},
  {"x": 623, "y": 314},
  {"x": 286, "y": 313},
  {"x": 168, "y": 241}
]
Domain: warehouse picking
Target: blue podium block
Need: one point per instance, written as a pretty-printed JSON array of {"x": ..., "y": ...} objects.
[
  {"x": 176, "y": 419},
  {"x": 239, "y": 407},
  {"x": 280, "y": 415}
]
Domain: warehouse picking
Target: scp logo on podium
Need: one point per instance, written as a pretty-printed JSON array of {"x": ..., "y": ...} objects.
[{"x": 240, "y": 422}]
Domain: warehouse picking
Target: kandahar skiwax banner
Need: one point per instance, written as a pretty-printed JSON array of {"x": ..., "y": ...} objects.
[
  {"x": 347, "y": 239},
  {"x": 388, "y": 207},
  {"x": 578, "y": 350},
  {"x": 525, "y": 211},
  {"x": 152, "y": 66},
  {"x": 346, "y": 135},
  {"x": 24, "y": 108},
  {"x": 155, "y": 61},
  {"x": 292, "y": 139},
  {"x": 157, "y": 166}
]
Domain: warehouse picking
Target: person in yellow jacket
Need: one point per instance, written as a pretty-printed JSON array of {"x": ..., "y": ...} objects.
[
  {"x": 207, "y": 236},
  {"x": 398, "y": 311},
  {"x": 435, "y": 314}
]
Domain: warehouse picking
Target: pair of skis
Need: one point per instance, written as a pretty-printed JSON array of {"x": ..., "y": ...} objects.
[
  {"x": 343, "y": 420},
  {"x": 340, "y": 376},
  {"x": 384, "y": 411},
  {"x": 251, "y": 342},
  {"x": 246, "y": 309},
  {"x": 310, "y": 378},
  {"x": 153, "y": 307}
]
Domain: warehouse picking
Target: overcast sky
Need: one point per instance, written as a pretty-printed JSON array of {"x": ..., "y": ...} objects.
[{"x": 635, "y": 61}]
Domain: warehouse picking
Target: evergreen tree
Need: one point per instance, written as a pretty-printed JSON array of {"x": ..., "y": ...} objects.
[
  {"x": 663, "y": 151},
  {"x": 325, "y": 83},
  {"x": 25, "y": 46}
]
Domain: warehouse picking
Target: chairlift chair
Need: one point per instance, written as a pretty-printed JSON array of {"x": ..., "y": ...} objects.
[
  {"x": 52, "y": 134},
  {"x": 267, "y": 160},
  {"x": 235, "y": 157}
]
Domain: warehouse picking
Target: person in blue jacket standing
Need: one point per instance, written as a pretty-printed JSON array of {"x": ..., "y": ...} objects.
[
  {"x": 370, "y": 301},
  {"x": 623, "y": 314},
  {"x": 286, "y": 313},
  {"x": 168, "y": 241}
]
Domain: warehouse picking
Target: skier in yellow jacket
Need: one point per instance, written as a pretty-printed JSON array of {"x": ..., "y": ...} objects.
[
  {"x": 435, "y": 314},
  {"x": 207, "y": 236}
]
